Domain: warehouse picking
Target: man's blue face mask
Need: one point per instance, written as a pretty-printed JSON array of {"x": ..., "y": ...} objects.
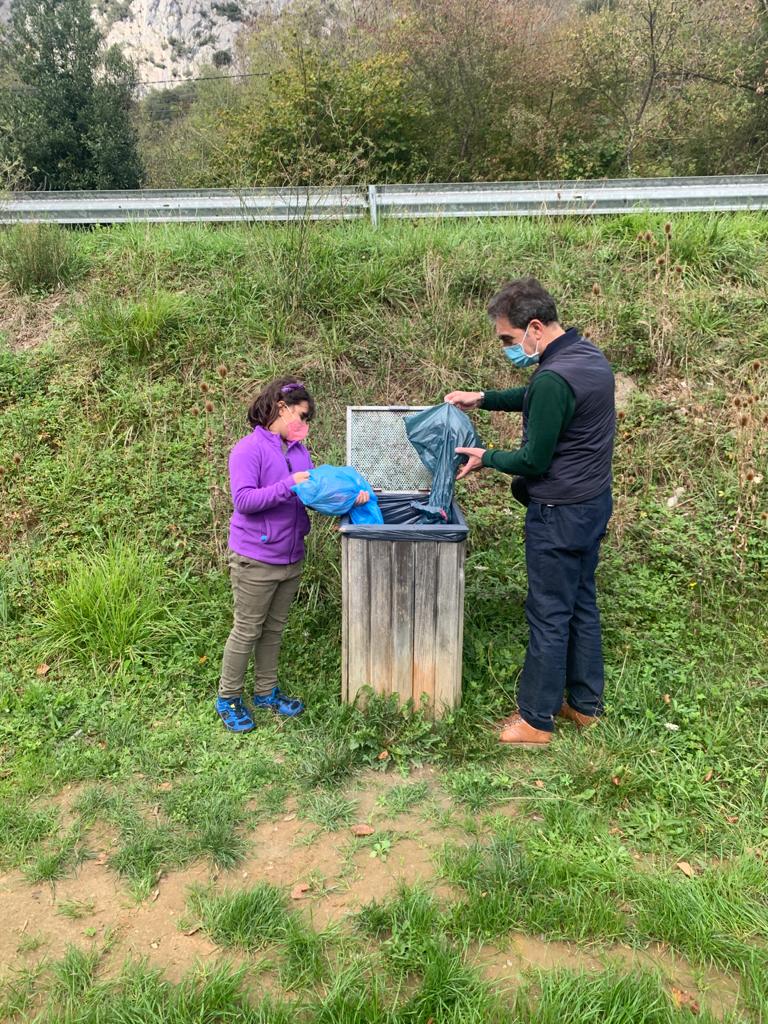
[{"x": 517, "y": 354}]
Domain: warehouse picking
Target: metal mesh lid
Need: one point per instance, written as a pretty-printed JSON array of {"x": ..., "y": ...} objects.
[{"x": 378, "y": 447}]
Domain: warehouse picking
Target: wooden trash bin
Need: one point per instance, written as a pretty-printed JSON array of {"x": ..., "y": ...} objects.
[{"x": 402, "y": 582}]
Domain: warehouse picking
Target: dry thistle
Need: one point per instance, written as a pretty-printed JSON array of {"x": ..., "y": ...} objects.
[
  {"x": 764, "y": 515},
  {"x": 204, "y": 388},
  {"x": 222, "y": 371},
  {"x": 640, "y": 236},
  {"x": 750, "y": 474},
  {"x": 209, "y": 406},
  {"x": 756, "y": 365},
  {"x": 595, "y": 288},
  {"x": 737, "y": 401},
  {"x": 765, "y": 420},
  {"x": 677, "y": 268},
  {"x": 668, "y": 229},
  {"x": 751, "y": 399},
  {"x": 2, "y": 470},
  {"x": 195, "y": 411},
  {"x": 661, "y": 260},
  {"x": 649, "y": 236},
  {"x": 744, "y": 421},
  {"x": 16, "y": 459},
  {"x": 621, "y": 414},
  {"x": 587, "y": 334}
]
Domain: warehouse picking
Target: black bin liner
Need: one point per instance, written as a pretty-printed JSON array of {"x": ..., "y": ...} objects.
[{"x": 402, "y": 521}]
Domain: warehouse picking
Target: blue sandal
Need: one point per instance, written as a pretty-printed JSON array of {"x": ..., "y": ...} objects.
[
  {"x": 278, "y": 701},
  {"x": 234, "y": 714}
]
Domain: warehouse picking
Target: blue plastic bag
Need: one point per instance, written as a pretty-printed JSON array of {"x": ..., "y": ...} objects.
[
  {"x": 333, "y": 490},
  {"x": 436, "y": 433}
]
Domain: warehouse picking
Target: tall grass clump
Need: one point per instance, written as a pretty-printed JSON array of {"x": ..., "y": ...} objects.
[
  {"x": 111, "y": 607},
  {"x": 149, "y": 328},
  {"x": 40, "y": 258},
  {"x": 566, "y": 997},
  {"x": 248, "y": 919}
]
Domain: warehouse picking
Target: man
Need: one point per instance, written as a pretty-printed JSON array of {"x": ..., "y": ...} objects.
[{"x": 563, "y": 474}]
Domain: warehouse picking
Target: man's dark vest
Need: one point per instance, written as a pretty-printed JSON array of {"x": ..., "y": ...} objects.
[{"x": 581, "y": 466}]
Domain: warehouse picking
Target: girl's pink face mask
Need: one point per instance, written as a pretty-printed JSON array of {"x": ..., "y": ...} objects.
[{"x": 297, "y": 430}]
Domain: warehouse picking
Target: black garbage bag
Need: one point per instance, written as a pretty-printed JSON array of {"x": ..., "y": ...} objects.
[{"x": 436, "y": 433}]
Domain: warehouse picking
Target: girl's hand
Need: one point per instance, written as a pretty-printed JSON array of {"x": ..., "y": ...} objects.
[
  {"x": 362, "y": 498},
  {"x": 299, "y": 478}
]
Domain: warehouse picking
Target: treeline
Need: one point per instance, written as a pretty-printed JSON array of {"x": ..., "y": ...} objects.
[{"x": 443, "y": 90}]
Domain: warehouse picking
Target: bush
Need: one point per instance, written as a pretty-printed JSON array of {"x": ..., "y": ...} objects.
[{"x": 40, "y": 258}]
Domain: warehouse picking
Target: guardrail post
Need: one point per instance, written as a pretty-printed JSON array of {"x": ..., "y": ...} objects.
[{"x": 373, "y": 207}]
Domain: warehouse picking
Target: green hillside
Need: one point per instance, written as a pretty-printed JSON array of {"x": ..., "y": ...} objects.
[{"x": 122, "y": 392}]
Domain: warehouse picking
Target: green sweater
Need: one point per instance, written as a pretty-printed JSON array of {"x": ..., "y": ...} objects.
[{"x": 550, "y": 409}]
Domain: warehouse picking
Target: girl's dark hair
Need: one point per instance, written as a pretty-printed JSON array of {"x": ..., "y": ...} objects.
[{"x": 264, "y": 408}]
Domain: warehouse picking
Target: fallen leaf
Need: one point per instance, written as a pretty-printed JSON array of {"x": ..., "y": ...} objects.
[
  {"x": 684, "y": 1000},
  {"x": 289, "y": 817},
  {"x": 194, "y": 931},
  {"x": 536, "y": 817},
  {"x": 616, "y": 780},
  {"x": 615, "y": 832},
  {"x": 539, "y": 784},
  {"x": 362, "y": 830},
  {"x": 666, "y": 698},
  {"x": 155, "y": 895},
  {"x": 383, "y": 755},
  {"x": 102, "y": 858},
  {"x": 203, "y": 658},
  {"x": 709, "y": 775},
  {"x": 155, "y": 944},
  {"x": 686, "y": 868},
  {"x": 43, "y": 670},
  {"x": 165, "y": 787},
  {"x": 732, "y": 818},
  {"x": 297, "y": 892}
]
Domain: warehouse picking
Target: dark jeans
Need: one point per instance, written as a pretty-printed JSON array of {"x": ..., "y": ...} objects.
[{"x": 564, "y": 656}]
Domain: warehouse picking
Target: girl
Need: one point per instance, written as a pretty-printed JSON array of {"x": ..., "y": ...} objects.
[{"x": 266, "y": 541}]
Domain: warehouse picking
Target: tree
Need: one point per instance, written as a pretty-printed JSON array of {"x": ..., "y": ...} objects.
[{"x": 65, "y": 101}]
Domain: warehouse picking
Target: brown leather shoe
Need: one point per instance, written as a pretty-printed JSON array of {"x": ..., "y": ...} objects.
[
  {"x": 520, "y": 734},
  {"x": 582, "y": 721}
]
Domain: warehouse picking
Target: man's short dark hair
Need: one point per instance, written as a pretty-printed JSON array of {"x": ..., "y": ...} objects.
[{"x": 521, "y": 301}]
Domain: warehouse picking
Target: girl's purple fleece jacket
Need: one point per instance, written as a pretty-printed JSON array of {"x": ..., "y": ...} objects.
[{"x": 269, "y": 522}]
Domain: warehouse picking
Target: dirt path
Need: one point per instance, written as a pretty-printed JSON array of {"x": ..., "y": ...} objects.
[{"x": 341, "y": 875}]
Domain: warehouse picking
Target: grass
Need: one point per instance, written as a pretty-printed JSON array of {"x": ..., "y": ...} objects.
[
  {"x": 114, "y": 601},
  {"x": 403, "y": 798},
  {"x": 38, "y": 258},
  {"x": 111, "y": 607},
  {"x": 249, "y": 919}
]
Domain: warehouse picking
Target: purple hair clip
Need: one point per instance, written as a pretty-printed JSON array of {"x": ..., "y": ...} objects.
[{"x": 292, "y": 387}]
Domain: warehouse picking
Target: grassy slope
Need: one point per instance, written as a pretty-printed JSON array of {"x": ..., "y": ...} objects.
[{"x": 114, "y": 522}]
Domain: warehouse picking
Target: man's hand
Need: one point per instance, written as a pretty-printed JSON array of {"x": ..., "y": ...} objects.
[
  {"x": 475, "y": 460},
  {"x": 362, "y": 498},
  {"x": 464, "y": 400}
]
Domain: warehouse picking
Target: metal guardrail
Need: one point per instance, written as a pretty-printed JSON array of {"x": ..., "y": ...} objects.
[
  {"x": 377, "y": 202},
  {"x": 172, "y": 206}
]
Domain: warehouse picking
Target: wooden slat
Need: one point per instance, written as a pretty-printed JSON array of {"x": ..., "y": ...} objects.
[
  {"x": 344, "y": 619},
  {"x": 358, "y": 616},
  {"x": 461, "y": 556},
  {"x": 380, "y": 635},
  {"x": 449, "y": 600},
  {"x": 424, "y": 621},
  {"x": 401, "y": 636}
]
